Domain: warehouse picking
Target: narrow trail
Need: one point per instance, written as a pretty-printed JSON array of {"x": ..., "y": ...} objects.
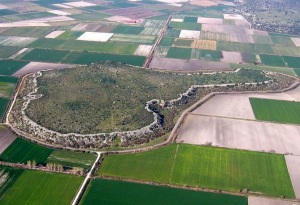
[{"x": 173, "y": 164}]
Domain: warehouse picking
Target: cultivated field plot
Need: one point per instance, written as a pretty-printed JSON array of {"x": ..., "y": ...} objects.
[
  {"x": 282, "y": 41},
  {"x": 151, "y": 31},
  {"x": 75, "y": 45},
  {"x": 79, "y": 4},
  {"x": 204, "y": 44},
  {"x": 8, "y": 176},
  {"x": 187, "y": 65},
  {"x": 3, "y": 105},
  {"x": 36, "y": 32},
  {"x": 296, "y": 41},
  {"x": 183, "y": 42},
  {"x": 231, "y": 29},
  {"x": 185, "y": 26},
  {"x": 240, "y": 134},
  {"x": 33, "y": 67},
  {"x": 182, "y": 53},
  {"x": 128, "y": 29},
  {"x": 214, "y": 168},
  {"x": 231, "y": 57},
  {"x": 293, "y": 164},
  {"x": 215, "y": 36},
  {"x": 154, "y": 24},
  {"x": 262, "y": 39},
  {"x": 9, "y": 67},
  {"x": 70, "y": 35},
  {"x": 45, "y": 55},
  {"x": 189, "y": 34},
  {"x": 134, "y": 13},
  {"x": 16, "y": 41},
  {"x": 244, "y": 47},
  {"x": 103, "y": 191},
  {"x": 59, "y": 13},
  {"x": 86, "y": 58},
  {"x": 276, "y": 110},
  {"x": 206, "y": 55},
  {"x": 95, "y": 36},
  {"x": 161, "y": 51},
  {"x": 252, "y": 200},
  {"x": 292, "y": 62},
  {"x": 143, "y": 50},
  {"x": 143, "y": 39},
  {"x": 72, "y": 159},
  {"x": 35, "y": 187},
  {"x": 145, "y": 166},
  {"x": 6, "y": 138},
  {"x": 7, "y": 86},
  {"x": 215, "y": 21},
  {"x": 286, "y": 50},
  {"x": 54, "y": 34},
  {"x": 20, "y": 151},
  {"x": 241, "y": 37}
]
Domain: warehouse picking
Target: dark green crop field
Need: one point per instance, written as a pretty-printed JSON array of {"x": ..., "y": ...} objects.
[
  {"x": 183, "y": 53},
  {"x": 3, "y": 105},
  {"x": 166, "y": 41},
  {"x": 8, "y": 176},
  {"x": 22, "y": 151},
  {"x": 186, "y": 26},
  {"x": 110, "y": 192},
  {"x": 207, "y": 167},
  {"x": 272, "y": 60},
  {"x": 128, "y": 29},
  {"x": 276, "y": 110},
  {"x": 36, "y": 187},
  {"x": 292, "y": 62},
  {"x": 45, "y": 55},
  {"x": 9, "y": 67},
  {"x": 89, "y": 57}
]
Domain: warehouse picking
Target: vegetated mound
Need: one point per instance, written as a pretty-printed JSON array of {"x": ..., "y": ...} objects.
[{"x": 112, "y": 97}]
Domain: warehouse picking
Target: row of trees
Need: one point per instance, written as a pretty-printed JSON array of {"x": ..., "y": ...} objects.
[{"x": 56, "y": 167}]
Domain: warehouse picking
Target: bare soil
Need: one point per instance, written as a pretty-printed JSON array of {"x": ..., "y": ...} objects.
[{"x": 6, "y": 138}]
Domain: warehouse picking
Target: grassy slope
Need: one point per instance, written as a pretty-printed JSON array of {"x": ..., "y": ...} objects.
[
  {"x": 207, "y": 167},
  {"x": 276, "y": 110},
  {"x": 22, "y": 151},
  {"x": 120, "y": 193},
  {"x": 152, "y": 166},
  {"x": 35, "y": 187}
]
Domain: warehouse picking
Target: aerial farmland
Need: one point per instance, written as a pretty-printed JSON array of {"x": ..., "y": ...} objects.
[{"x": 148, "y": 102}]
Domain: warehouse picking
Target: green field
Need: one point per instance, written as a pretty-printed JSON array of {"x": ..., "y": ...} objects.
[
  {"x": 109, "y": 192},
  {"x": 128, "y": 29},
  {"x": 89, "y": 57},
  {"x": 45, "y": 55},
  {"x": 5, "y": 12},
  {"x": 37, "y": 32},
  {"x": 183, "y": 42},
  {"x": 36, "y": 187},
  {"x": 7, "y": 86},
  {"x": 3, "y": 105},
  {"x": 271, "y": 60},
  {"x": 8, "y": 79},
  {"x": 35, "y": 15},
  {"x": 22, "y": 151},
  {"x": 283, "y": 41},
  {"x": 9, "y": 67},
  {"x": 8, "y": 176},
  {"x": 262, "y": 39},
  {"x": 75, "y": 45},
  {"x": 276, "y": 110},
  {"x": 292, "y": 62},
  {"x": 141, "y": 39},
  {"x": 7, "y": 51},
  {"x": 182, "y": 53},
  {"x": 172, "y": 33},
  {"x": 185, "y": 26},
  {"x": 70, "y": 35},
  {"x": 166, "y": 41},
  {"x": 206, "y": 55},
  {"x": 190, "y": 19},
  {"x": 153, "y": 165},
  {"x": 207, "y": 167},
  {"x": 286, "y": 50},
  {"x": 297, "y": 71},
  {"x": 244, "y": 47},
  {"x": 72, "y": 159}
]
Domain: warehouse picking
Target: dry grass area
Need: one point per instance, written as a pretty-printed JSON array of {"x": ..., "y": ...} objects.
[
  {"x": 204, "y": 44},
  {"x": 253, "y": 200},
  {"x": 293, "y": 164},
  {"x": 6, "y": 138}
]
